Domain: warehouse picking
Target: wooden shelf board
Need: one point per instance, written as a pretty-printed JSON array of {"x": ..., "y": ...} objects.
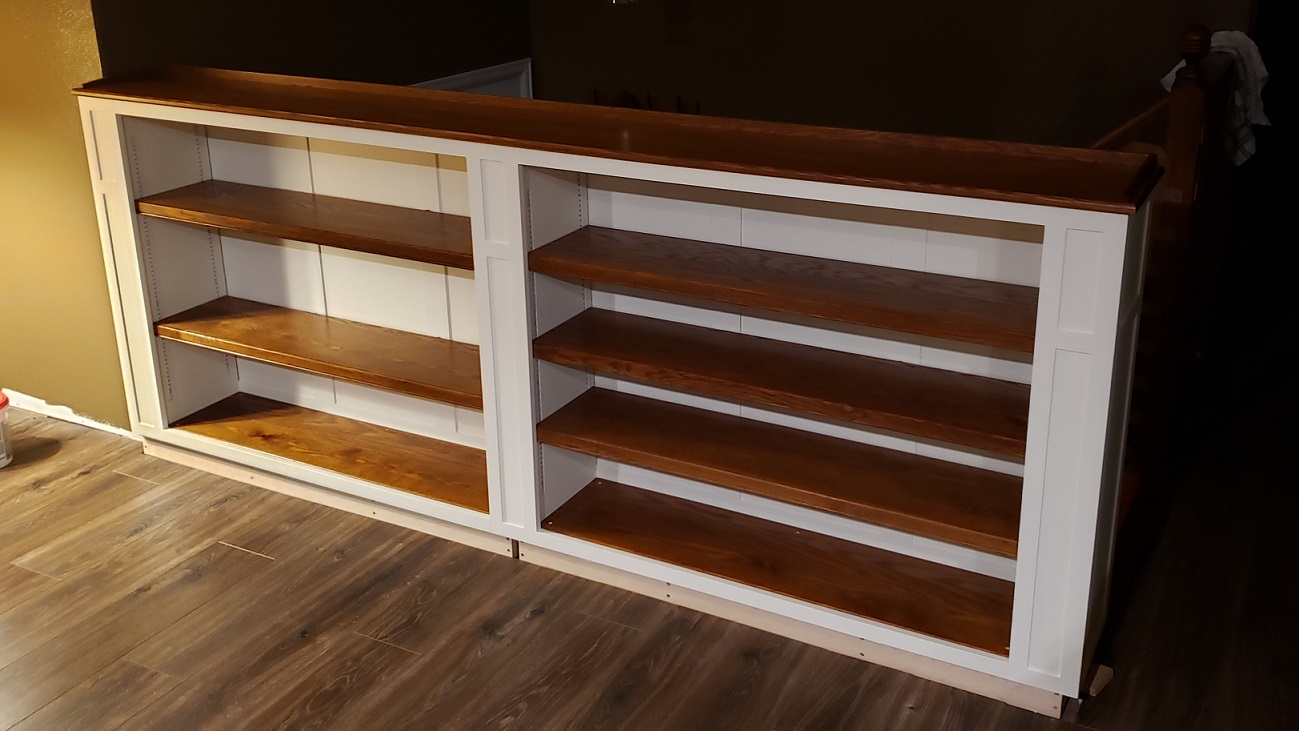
[
  {"x": 939, "y": 601},
  {"x": 929, "y": 403},
  {"x": 449, "y": 473},
  {"x": 922, "y": 496},
  {"x": 955, "y": 308},
  {"x": 418, "y": 365},
  {"x": 405, "y": 233},
  {"x": 1115, "y": 182}
]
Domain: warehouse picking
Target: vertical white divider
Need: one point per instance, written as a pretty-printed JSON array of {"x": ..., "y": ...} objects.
[
  {"x": 1078, "y": 326},
  {"x": 501, "y": 275}
]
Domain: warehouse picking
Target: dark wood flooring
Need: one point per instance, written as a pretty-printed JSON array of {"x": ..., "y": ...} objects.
[{"x": 135, "y": 594}]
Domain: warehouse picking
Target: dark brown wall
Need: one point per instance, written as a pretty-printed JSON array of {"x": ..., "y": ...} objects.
[
  {"x": 1002, "y": 69},
  {"x": 389, "y": 41}
]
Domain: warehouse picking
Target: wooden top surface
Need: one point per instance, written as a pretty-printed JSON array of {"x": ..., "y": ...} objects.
[
  {"x": 936, "y": 600},
  {"x": 1116, "y": 182}
]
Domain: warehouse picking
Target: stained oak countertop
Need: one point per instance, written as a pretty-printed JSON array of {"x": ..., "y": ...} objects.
[{"x": 1114, "y": 182}]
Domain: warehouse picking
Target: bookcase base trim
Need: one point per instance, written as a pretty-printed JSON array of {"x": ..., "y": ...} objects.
[
  {"x": 1029, "y": 698},
  {"x": 324, "y": 496}
]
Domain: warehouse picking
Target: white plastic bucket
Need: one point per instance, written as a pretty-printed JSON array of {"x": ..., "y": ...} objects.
[{"x": 6, "y": 454}]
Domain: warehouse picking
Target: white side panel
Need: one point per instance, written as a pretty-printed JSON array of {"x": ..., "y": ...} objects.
[
  {"x": 193, "y": 378},
  {"x": 277, "y": 272},
  {"x": 182, "y": 264},
  {"x": 388, "y": 292},
  {"x": 556, "y": 205},
  {"x": 375, "y": 174},
  {"x": 260, "y": 158},
  {"x": 164, "y": 155},
  {"x": 563, "y": 475}
]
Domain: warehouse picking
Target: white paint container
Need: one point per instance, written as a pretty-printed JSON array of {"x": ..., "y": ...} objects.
[{"x": 6, "y": 453}]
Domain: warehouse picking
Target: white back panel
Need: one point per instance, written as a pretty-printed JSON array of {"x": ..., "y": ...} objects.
[
  {"x": 668, "y": 210},
  {"x": 277, "y": 272},
  {"x": 260, "y": 158},
  {"x": 384, "y": 291},
  {"x": 375, "y": 174},
  {"x": 453, "y": 184}
]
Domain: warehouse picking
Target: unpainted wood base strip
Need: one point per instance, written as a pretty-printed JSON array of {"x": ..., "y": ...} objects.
[
  {"x": 1009, "y": 692},
  {"x": 323, "y": 496}
]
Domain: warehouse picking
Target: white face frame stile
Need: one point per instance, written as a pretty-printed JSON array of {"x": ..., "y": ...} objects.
[{"x": 1088, "y": 309}]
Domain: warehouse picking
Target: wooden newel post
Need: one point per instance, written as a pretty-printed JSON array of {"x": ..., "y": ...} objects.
[{"x": 1186, "y": 115}]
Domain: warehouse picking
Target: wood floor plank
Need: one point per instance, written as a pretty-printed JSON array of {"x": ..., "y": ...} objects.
[
  {"x": 409, "y": 363},
  {"x": 18, "y": 585},
  {"x": 121, "y": 571},
  {"x": 907, "y": 492},
  {"x": 907, "y": 398},
  {"x": 103, "y": 702},
  {"x": 103, "y": 637},
  {"x": 312, "y": 585},
  {"x": 405, "y": 233},
  {"x": 432, "y": 468},
  {"x": 967, "y": 310}
]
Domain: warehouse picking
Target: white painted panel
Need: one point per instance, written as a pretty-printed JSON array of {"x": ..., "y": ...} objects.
[
  {"x": 260, "y": 158},
  {"x": 381, "y": 290},
  {"x": 281, "y": 384},
  {"x": 193, "y": 378},
  {"x": 556, "y": 205},
  {"x": 837, "y": 336},
  {"x": 555, "y": 301},
  {"x": 563, "y": 475},
  {"x": 834, "y": 232},
  {"x": 668, "y": 210},
  {"x": 277, "y": 272},
  {"x": 499, "y": 221},
  {"x": 164, "y": 155},
  {"x": 663, "y": 394},
  {"x": 558, "y": 385},
  {"x": 981, "y": 257},
  {"x": 375, "y": 174},
  {"x": 470, "y": 426},
  {"x": 980, "y": 361},
  {"x": 1066, "y": 436},
  {"x": 462, "y": 305},
  {"x": 1081, "y": 279},
  {"x": 402, "y": 412},
  {"x": 182, "y": 264},
  {"x": 665, "y": 310},
  {"x": 453, "y": 184}
]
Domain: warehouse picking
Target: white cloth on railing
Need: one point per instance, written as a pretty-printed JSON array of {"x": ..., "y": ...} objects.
[{"x": 1246, "y": 108}]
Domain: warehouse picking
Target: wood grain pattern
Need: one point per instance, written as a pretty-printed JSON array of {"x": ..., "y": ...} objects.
[
  {"x": 409, "y": 363},
  {"x": 927, "y": 497},
  {"x": 973, "y": 411},
  {"x": 405, "y": 233},
  {"x": 432, "y": 468},
  {"x": 1057, "y": 176},
  {"x": 955, "y": 308},
  {"x": 939, "y": 601}
]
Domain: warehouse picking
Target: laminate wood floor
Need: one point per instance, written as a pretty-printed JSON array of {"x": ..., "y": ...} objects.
[{"x": 136, "y": 594}]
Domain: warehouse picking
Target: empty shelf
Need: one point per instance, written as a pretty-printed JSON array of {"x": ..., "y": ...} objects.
[
  {"x": 450, "y": 473},
  {"x": 418, "y": 365},
  {"x": 406, "y": 233}
]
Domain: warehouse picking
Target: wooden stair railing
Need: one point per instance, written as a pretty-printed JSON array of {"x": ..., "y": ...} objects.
[{"x": 1184, "y": 129}]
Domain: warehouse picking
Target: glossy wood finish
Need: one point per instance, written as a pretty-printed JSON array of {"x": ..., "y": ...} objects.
[
  {"x": 973, "y": 411},
  {"x": 450, "y": 473},
  {"x": 955, "y": 308},
  {"x": 405, "y": 233},
  {"x": 1056, "y": 176},
  {"x": 969, "y": 609},
  {"x": 927, "y": 497},
  {"x": 358, "y": 625},
  {"x": 418, "y": 365}
]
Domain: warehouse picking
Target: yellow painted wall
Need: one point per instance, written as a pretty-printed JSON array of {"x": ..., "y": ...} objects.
[{"x": 56, "y": 329}]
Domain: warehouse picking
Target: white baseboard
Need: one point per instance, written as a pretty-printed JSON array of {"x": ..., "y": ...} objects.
[{"x": 20, "y": 400}]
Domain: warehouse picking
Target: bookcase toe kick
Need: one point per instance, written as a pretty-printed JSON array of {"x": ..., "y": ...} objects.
[{"x": 865, "y": 390}]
